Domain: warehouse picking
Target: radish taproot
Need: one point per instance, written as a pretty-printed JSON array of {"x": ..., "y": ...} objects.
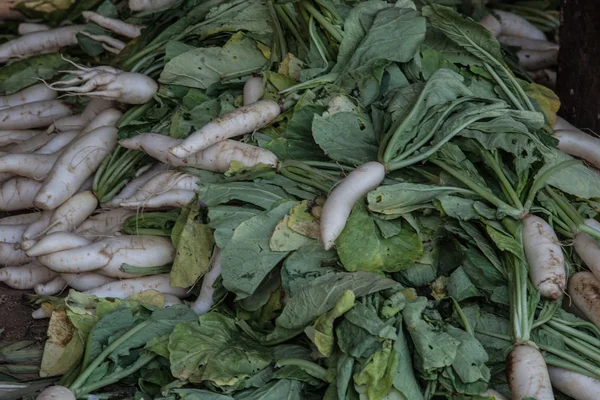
[
  {"x": 74, "y": 166},
  {"x": 19, "y": 219},
  {"x": 128, "y": 287},
  {"x": 245, "y": 119},
  {"x": 79, "y": 121},
  {"x": 342, "y": 198},
  {"x": 9, "y": 255},
  {"x": 17, "y": 135},
  {"x": 12, "y": 233},
  {"x": 133, "y": 185},
  {"x": 114, "y": 25},
  {"x": 579, "y": 144},
  {"x": 32, "y": 94},
  {"x": 34, "y": 166},
  {"x": 527, "y": 374},
  {"x": 73, "y": 212},
  {"x": 584, "y": 290},
  {"x": 52, "y": 243},
  {"x": 25, "y": 277},
  {"x": 18, "y": 194},
  {"x": 577, "y": 386},
  {"x": 216, "y": 158},
  {"x": 79, "y": 259},
  {"x": 515, "y": 25},
  {"x": 56, "y": 393},
  {"x": 544, "y": 256},
  {"x": 204, "y": 302},
  {"x": 104, "y": 224},
  {"x": 58, "y": 142},
  {"x": 253, "y": 90},
  {"x": 37, "y": 227},
  {"x": 588, "y": 248},
  {"x": 50, "y": 288},
  {"x": 86, "y": 281},
  {"x": 41, "y": 42},
  {"x": 34, "y": 115},
  {"x": 147, "y": 5},
  {"x": 176, "y": 198},
  {"x": 537, "y": 59},
  {"x": 527, "y": 44},
  {"x": 29, "y": 27}
]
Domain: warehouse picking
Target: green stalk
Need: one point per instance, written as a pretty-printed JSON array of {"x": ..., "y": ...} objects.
[
  {"x": 281, "y": 12},
  {"x": 585, "y": 349},
  {"x": 481, "y": 191},
  {"x": 319, "y": 80},
  {"x": 329, "y": 165},
  {"x": 589, "y": 230},
  {"x": 307, "y": 181},
  {"x": 105, "y": 353},
  {"x": 332, "y": 30},
  {"x": 540, "y": 182},
  {"x": 569, "y": 324},
  {"x": 278, "y": 30},
  {"x": 157, "y": 269},
  {"x": 309, "y": 367},
  {"x": 546, "y": 314},
  {"x": 134, "y": 113},
  {"x": 463, "y": 318},
  {"x": 503, "y": 86},
  {"x": 495, "y": 165},
  {"x": 117, "y": 376},
  {"x": 557, "y": 362},
  {"x": 565, "y": 206}
]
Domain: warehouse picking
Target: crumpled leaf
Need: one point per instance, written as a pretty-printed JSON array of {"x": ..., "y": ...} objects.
[
  {"x": 378, "y": 374},
  {"x": 286, "y": 239},
  {"x": 63, "y": 348}
]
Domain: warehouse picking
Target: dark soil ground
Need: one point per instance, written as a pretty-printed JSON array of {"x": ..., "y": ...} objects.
[{"x": 15, "y": 318}]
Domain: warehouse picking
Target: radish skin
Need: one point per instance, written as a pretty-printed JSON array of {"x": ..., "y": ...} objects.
[
  {"x": 37, "y": 43},
  {"x": 537, "y": 59},
  {"x": 52, "y": 243},
  {"x": 577, "y": 386},
  {"x": 31, "y": 145},
  {"x": 171, "y": 300},
  {"x": 160, "y": 183},
  {"x": 35, "y": 229},
  {"x": 9, "y": 255},
  {"x": 216, "y": 158},
  {"x": 492, "y": 24},
  {"x": 32, "y": 94},
  {"x": 584, "y": 290},
  {"x": 28, "y": 27},
  {"x": 141, "y": 251},
  {"x": 19, "y": 219},
  {"x": 17, "y": 136},
  {"x": 75, "y": 165},
  {"x": 106, "y": 223},
  {"x": 108, "y": 117},
  {"x": 12, "y": 233},
  {"x": 342, "y": 198},
  {"x": 515, "y": 25},
  {"x": 52, "y": 287},
  {"x": 25, "y": 277},
  {"x": 171, "y": 199},
  {"x": 58, "y": 142},
  {"x": 527, "y": 374},
  {"x": 73, "y": 212},
  {"x": 42, "y": 312},
  {"x": 79, "y": 259},
  {"x": 56, "y": 393},
  {"x": 34, "y": 166},
  {"x": 579, "y": 144},
  {"x": 563, "y": 124},
  {"x": 146, "y": 5},
  {"x": 544, "y": 256},
  {"x": 588, "y": 248},
  {"x": 114, "y": 25},
  {"x": 527, "y": 44},
  {"x": 253, "y": 90},
  {"x": 128, "y": 287},
  {"x": 18, "y": 194},
  {"x": 86, "y": 281},
  {"x": 132, "y": 186},
  {"x": 204, "y": 302},
  {"x": 34, "y": 115},
  {"x": 245, "y": 119}
]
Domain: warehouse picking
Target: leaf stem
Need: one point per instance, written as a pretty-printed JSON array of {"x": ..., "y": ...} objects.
[
  {"x": 309, "y": 367},
  {"x": 503, "y": 86},
  {"x": 495, "y": 165},
  {"x": 540, "y": 182},
  {"x": 332, "y": 30}
]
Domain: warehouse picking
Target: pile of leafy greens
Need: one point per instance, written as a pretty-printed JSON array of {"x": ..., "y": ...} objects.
[{"x": 415, "y": 300}]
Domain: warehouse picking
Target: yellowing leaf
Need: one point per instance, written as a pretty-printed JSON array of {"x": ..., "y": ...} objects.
[
  {"x": 63, "y": 348},
  {"x": 302, "y": 221},
  {"x": 291, "y": 66},
  {"x": 546, "y": 100},
  {"x": 285, "y": 239}
]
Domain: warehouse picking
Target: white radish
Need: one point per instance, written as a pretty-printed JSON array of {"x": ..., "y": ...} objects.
[
  {"x": 110, "y": 84},
  {"x": 75, "y": 165},
  {"x": 133, "y": 185},
  {"x": 17, "y": 136},
  {"x": 588, "y": 248},
  {"x": 245, "y": 119},
  {"x": 58, "y": 142},
  {"x": 31, "y": 145},
  {"x": 577, "y": 386},
  {"x": 28, "y": 27},
  {"x": 9, "y": 255},
  {"x": 493, "y": 394},
  {"x": 25, "y": 277},
  {"x": 80, "y": 121},
  {"x": 56, "y": 393},
  {"x": 18, "y": 194},
  {"x": 204, "y": 302},
  {"x": 170, "y": 300},
  {"x": 216, "y": 157},
  {"x": 537, "y": 59},
  {"x": 42, "y": 313},
  {"x": 37, "y": 43},
  {"x": 32, "y": 94},
  {"x": 527, "y": 374},
  {"x": 544, "y": 256},
  {"x": 73, "y": 212},
  {"x": 34, "y": 166},
  {"x": 52, "y": 287},
  {"x": 79, "y": 259},
  {"x": 563, "y": 124},
  {"x": 159, "y": 183},
  {"x": 342, "y": 198},
  {"x": 579, "y": 144},
  {"x": 492, "y": 24},
  {"x": 37, "y": 227},
  {"x": 515, "y": 25},
  {"x": 177, "y": 198},
  {"x": 139, "y": 251},
  {"x": 34, "y": 115},
  {"x": 253, "y": 90},
  {"x": 584, "y": 290},
  {"x": 105, "y": 224},
  {"x": 128, "y": 287},
  {"x": 12, "y": 233},
  {"x": 114, "y": 25},
  {"x": 86, "y": 281},
  {"x": 109, "y": 43},
  {"x": 527, "y": 44},
  {"x": 19, "y": 219},
  {"x": 147, "y": 5},
  {"x": 52, "y": 243},
  {"x": 108, "y": 117}
]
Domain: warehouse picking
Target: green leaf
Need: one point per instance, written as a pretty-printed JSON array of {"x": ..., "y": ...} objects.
[
  {"x": 321, "y": 332},
  {"x": 464, "y": 209},
  {"x": 224, "y": 219},
  {"x": 362, "y": 248},
  {"x": 405, "y": 197},
  {"x": 320, "y": 295},
  {"x": 281, "y": 389},
  {"x": 23, "y": 73},
  {"x": 262, "y": 194},
  {"x": 577, "y": 180},
  {"x": 307, "y": 263},
  {"x": 404, "y": 378},
  {"x": 378, "y": 374},
  {"x": 247, "y": 259},
  {"x": 202, "y": 67},
  {"x": 213, "y": 349},
  {"x": 471, "y": 358},
  {"x": 286, "y": 239},
  {"x": 460, "y": 286},
  {"x": 346, "y": 137},
  {"x": 194, "y": 249}
]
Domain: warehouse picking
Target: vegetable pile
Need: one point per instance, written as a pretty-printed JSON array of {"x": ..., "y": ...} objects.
[{"x": 312, "y": 199}]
